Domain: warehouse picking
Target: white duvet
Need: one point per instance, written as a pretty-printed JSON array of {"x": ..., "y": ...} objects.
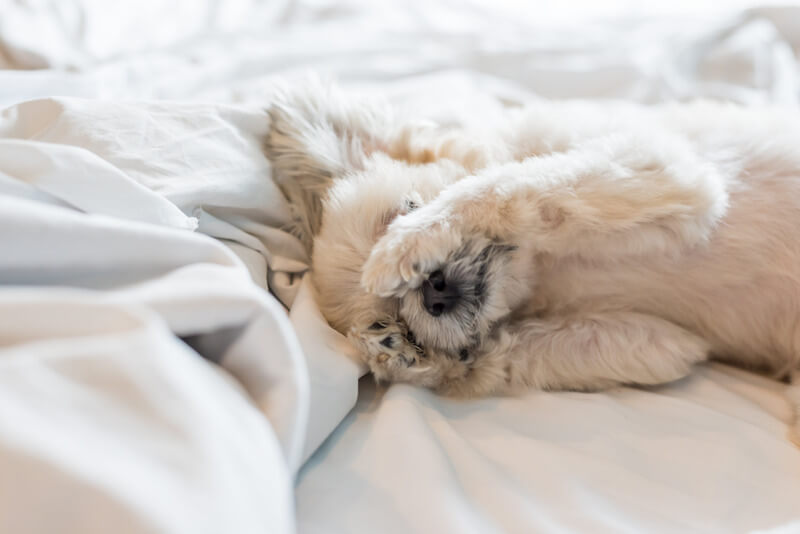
[{"x": 151, "y": 377}]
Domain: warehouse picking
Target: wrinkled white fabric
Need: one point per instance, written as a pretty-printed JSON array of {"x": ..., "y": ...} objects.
[
  {"x": 115, "y": 199},
  {"x": 707, "y": 454},
  {"x": 108, "y": 423},
  {"x": 70, "y": 33},
  {"x": 136, "y": 210}
]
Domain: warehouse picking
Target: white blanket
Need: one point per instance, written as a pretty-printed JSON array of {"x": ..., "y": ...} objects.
[{"x": 140, "y": 229}]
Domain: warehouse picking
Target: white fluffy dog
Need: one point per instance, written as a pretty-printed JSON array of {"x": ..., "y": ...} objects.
[{"x": 579, "y": 246}]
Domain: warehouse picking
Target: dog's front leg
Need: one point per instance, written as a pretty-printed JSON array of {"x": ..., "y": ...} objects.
[
  {"x": 589, "y": 352},
  {"x": 613, "y": 196},
  {"x": 393, "y": 356}
]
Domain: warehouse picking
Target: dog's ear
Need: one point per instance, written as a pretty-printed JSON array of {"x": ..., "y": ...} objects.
[{"x": 316, "y": 135}]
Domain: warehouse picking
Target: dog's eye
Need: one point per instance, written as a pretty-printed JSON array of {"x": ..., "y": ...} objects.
[{"x": 411, "y": 206}]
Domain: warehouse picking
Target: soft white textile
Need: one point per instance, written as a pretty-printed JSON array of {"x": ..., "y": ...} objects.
[
  {"x": 135, "y": 206},
  {"x": 99, "y": 396},
  {"x": 110, "y": 424}
]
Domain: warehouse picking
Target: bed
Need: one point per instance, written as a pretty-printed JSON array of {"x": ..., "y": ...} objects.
[{"x": 163, "y": 365}]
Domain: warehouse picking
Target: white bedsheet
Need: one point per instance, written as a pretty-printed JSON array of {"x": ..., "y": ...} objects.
[{"x": 136, "y": 209}]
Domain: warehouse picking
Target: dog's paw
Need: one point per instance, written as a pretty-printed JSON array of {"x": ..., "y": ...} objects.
[
  {"x": 392, "y": 355},
  {"x": 413, "y": 247},
  {"x": 389, "y": 351}
]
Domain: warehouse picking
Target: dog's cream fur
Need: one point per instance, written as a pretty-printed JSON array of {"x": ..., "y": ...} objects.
[{"x": 593, "y": 244}]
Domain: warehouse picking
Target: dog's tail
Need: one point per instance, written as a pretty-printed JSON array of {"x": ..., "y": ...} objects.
[{"x": 317, "y": 135}]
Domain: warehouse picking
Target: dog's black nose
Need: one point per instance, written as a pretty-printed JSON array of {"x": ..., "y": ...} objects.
[{"x": 437, "y": 295}]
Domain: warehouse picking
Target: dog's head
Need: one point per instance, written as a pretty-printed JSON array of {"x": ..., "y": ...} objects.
[
  {"x": 351, "y": 191},
  {"x": 356, "y": 212},
  {"x": 458, "y": 303}
]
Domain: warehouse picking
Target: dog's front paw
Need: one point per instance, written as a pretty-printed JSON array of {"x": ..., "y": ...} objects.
[
  {"x": 413, "y": 247},
  {"x": 389, "y": 351},
  {"x": 393, "y": 355}
]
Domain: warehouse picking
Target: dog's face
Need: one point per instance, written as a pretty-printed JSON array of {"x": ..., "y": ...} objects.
[
  {"x": 333, "y": 158},
  {"x": 458, "y": 303}
]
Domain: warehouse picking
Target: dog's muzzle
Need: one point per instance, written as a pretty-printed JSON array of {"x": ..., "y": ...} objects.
[{"x": 438, "y": 296}]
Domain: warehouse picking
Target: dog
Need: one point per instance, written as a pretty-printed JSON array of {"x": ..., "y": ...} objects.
[{"x": 575, "y": 246}]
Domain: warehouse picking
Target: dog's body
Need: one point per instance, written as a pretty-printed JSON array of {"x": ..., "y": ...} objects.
[{"x": 575, "y": 247}]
